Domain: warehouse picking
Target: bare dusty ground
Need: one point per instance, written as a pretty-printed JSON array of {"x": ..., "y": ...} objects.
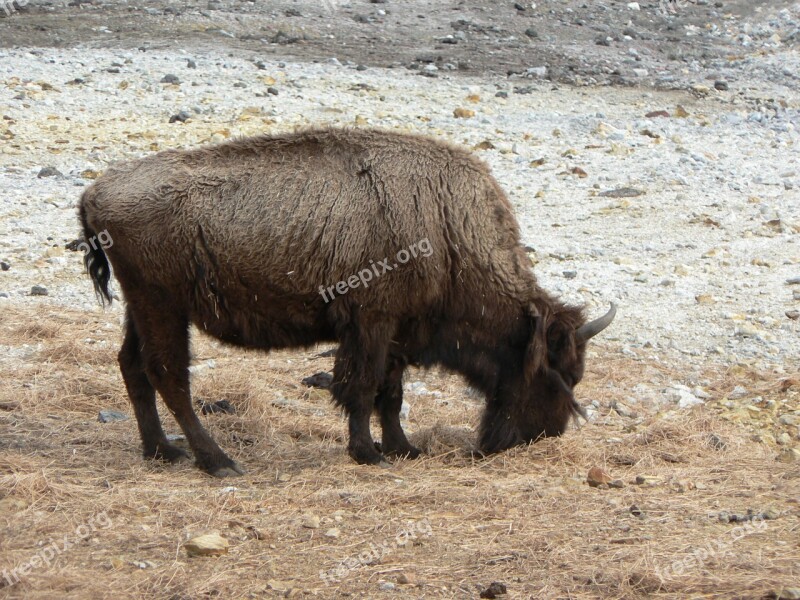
[
  {"x": 708, "y": 503},
  {"x": 306, "y": 521}
]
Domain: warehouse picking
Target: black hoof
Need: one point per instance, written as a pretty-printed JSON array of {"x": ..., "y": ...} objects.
[
  {"x": 231, "y": 471},
  {"x": 218, "y": 465},
  {"x": 366, "y": 455}
]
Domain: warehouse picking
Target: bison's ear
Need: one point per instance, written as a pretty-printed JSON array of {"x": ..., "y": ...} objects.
[
  {"x": 536, "y": 351},
  {"x": 560, "y": 341}
]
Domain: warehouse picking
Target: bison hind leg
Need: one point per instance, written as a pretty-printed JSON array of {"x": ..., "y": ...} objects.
[
  {"x": 142, "y": 396},
  {"x": 164, "y": 333}
]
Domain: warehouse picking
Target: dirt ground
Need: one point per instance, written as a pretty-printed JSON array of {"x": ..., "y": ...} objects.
[
  {"x": 703, "y": 497},
  {"x": 476, "y": 37},
  {"x": 716, "y": 515}
]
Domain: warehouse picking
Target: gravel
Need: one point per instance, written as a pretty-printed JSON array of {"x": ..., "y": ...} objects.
[{"x": 689, "y": 228}]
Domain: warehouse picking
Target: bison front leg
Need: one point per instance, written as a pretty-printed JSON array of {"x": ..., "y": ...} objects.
[
  {"x": 388, "y": 403},
  {"x": 358, "y": 370}
]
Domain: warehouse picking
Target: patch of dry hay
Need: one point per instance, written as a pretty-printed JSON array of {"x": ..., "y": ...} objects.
[{"x": 524, "y": 517}]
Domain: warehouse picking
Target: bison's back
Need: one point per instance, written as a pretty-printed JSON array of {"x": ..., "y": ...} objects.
[{"x": 282, "y": 216}]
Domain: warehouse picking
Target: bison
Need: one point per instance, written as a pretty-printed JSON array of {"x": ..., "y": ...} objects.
[{"x": 266, "y": 243}]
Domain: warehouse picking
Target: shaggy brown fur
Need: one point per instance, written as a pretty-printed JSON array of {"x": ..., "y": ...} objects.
[{"x": 238, "y": 239}]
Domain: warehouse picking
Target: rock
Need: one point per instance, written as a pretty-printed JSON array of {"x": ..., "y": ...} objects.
[
  {"x": 716, "y": 442},
  {"x": 272, "y": 90},
  {"x": 39, "y": 290},
  {"x": 681, "y": 112},
  {"x": 190, "y": 64},
  {"x": 494, "y": 590},
  {"x": 722, "y": 86},
  {"x": 625, "y": 192},
  {"x": 648, "y": 480},
  {"x": 633, "y": 6},
  {"x": 407, "y": 578},
  {"x": 788, "y": 420},
  {"x": 539, "y": 72},
  {"x": 49, "y": 172},
  {"x": 321, "y": 380},
  {"x": 597, "y": 477},
  {"x": 622, "y": 410},
  {"x": 789, "y": 455},
  {"x": 333, "y": 532},
  {"x": 657, "y": 113},
  {"x": 793, "y": 281},
  {"x": 310, "y": 521},
  {"x": 570, "y": 274},
  {"x": 181, "y": 117},
  {"x": 110, "y": 416},
  {"x": 386, "y": 586},
  {"x": 793, "y": 314},
  {"x": 463, "y": 113},
  {"x": 531, "y": 32},
  {"x": 170, "y": 78},
  {"x": 635, "y": 511},
  {"x": 220, "y": 406},
  {"x": 210, "y": 544},
  {"x": 579, "y": 172},
  {"x": 786, "y": 593},
  {"x": 4, "y": 265}
]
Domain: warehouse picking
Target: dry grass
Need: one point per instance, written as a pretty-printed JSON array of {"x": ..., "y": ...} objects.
[{"x": 526, "y": 517}]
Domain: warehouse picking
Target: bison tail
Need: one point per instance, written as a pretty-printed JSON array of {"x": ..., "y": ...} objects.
[{"x": 95, "y": 257}]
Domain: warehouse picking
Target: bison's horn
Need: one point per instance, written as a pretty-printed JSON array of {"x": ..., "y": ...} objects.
[{"x": 591, "y": 329}]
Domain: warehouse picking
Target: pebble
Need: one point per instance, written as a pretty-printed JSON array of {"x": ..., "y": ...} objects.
[
  {"x": 785, "y": 593},
  {"x": 39, "y": 290},
  {"x": 210, "y": 544},
  {"x": 170, "y": 78},
  {"x": 310, "y": 521},
  {"x": 597, "y": 477},
  {"x": 495, "y": 589},
  {"x": 49, "y": 172},
  {"x": 648, "y": 480},
  {"x": 181, "y": 117},
  {"x": 4, "y": 265},
  {"x": 111, "y": 416},
  {"x": 387, "y": 586}
]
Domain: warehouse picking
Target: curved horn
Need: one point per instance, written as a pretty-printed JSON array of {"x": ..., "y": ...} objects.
[{"x": 592, "y": 328}]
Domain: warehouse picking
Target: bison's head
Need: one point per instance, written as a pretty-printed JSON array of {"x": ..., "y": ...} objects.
[{"x": 539, "y": 400}]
